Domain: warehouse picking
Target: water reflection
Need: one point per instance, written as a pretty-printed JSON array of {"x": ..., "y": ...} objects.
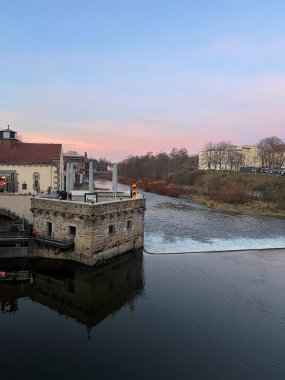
[{"x": 85, "y": 294}]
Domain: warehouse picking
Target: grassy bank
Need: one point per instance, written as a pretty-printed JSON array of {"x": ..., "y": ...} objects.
[{"x": 260, "y": 194}]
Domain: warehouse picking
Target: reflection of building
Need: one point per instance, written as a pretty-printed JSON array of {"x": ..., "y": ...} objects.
[
  {"x": 85, "y": 294},
  {"x": 10, "y": 289},
  {"x": 29, "y": 167},
  {"x": 229, "y": 159}
]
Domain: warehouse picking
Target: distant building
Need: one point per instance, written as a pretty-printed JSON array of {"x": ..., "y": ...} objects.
[
  {"x": 251, "y": 156},
  {"x": 74, "y": 157},
  {"x": 230, "y": 159},
  {"x": 80, "y": 166},
  {"x": 29, "y": 167}
]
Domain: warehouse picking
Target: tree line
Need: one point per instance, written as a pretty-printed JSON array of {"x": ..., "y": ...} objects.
[
  {"x": 175, "y": 166},
  {"x": 160, "y": 166}
]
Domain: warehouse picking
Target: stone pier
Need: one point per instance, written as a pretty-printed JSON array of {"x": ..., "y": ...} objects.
[{"x": 99, "y": 231}]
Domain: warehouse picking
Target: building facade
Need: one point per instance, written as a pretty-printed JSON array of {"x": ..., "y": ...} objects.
[
  {"x": 29, "y": 168},
  {"x": 230, "y": 159}
]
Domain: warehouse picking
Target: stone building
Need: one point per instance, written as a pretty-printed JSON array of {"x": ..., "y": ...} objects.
[
  {"x": 29, "y": 167},
  {"x": 85, "y": 232}
]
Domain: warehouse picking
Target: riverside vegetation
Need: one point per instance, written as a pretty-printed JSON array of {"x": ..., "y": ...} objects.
[{"x": 260, "y": 193}]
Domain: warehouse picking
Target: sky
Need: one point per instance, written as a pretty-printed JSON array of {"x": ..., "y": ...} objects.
[{"x": 115, "y": 78}]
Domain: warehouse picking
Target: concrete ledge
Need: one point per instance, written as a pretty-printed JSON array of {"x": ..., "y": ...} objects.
[{"x": 13, "y": 252}]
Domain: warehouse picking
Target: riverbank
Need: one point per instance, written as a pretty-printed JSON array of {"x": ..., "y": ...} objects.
[
  {"x": 249, "y": 208},
  {"x": 253, "y": 194}
]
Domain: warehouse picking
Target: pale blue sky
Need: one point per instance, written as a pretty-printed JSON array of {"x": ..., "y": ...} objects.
[{"x": 125, "y": 77}]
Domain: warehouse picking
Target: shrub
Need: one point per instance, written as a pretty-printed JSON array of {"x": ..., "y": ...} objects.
[
  {"x": 173, "y": 190},
  {"x": 238, "y": 195},
  {"x": 281, "y": 199},
  {"x": 260, "y": 187}
]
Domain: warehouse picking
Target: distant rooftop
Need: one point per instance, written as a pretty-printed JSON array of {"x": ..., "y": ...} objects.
[
  {"x": 71, "y": 153},
  {"x": 31, "y": 153}
]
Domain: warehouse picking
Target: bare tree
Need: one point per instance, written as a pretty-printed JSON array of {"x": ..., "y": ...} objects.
[
  {"x": 235, "y": 158},
  {"x": 222, "y": 154},
  {"x": 208, "y": 157},
  {"x": 161, "y": 166},
  {"x": 271, "y": 151}
]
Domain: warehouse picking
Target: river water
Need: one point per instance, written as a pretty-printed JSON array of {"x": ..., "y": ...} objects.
[
  {"x": 201, "y": 315},
  {"x": 174, "y": 225}
]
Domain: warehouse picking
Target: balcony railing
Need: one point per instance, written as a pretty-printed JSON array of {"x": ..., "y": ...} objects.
[
  {"x": 7, "y": 235},
  {"x": 54, "y": 240}
]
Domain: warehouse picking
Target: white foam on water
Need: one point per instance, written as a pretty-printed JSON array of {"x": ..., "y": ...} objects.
[{"x": 155, "y": 243}]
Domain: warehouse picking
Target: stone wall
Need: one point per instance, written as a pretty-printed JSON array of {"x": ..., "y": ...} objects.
[{"x": 102, "y": 230}]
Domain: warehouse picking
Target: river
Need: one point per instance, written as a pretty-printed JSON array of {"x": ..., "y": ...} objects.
[
  {"x": 174, "y": 225},
  {"x": 200, "y": 315}
]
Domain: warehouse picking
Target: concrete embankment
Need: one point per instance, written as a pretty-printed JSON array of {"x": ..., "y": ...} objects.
[{"x": 17, "y": 206}]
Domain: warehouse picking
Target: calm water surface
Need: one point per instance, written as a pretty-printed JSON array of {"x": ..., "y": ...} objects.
[
  {"x": 216, "y": 315},
  {"x": 196, "y": 316}
]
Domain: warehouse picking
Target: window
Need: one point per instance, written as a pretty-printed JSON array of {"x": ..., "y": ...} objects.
[
  {"x": 111, "y": 229},
  {"x": 129, "y": 224},
  {"x": 24, "y": 186},
  {"x": 72, "y": 230},
  {"x": 49, "y": 228},
  {"x": 36, "y": 182}
]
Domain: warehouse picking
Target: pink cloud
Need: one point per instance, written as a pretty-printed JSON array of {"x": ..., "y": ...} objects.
[{"x": 217, "y": 108}]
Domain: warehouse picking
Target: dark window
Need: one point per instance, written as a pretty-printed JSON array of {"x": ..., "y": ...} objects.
[
  {"x": 36, "y": 180},
  {"x": 129, "y": 225},
  {"x": 49, "y": 228},
  {"x": 24, "y": 186},
  {"x": 72, "y": 230},
  {"x": 111, "y": 229}
]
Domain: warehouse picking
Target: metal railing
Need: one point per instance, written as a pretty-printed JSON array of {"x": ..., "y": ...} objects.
[
  {"x": 53, "y": 237},
  {"x": 11, "y": 235}
]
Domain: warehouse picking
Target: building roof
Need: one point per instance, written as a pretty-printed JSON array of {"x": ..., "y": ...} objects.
[
  {"x": 31, "y": 153},
  {"x": 71, "y": 153},
  {"x": 7, "y": 130}
]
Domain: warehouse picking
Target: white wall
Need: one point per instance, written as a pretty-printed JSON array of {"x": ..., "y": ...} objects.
[
  {"x": 18, "y": 204},
  {"x": 48, "y": 176}
]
